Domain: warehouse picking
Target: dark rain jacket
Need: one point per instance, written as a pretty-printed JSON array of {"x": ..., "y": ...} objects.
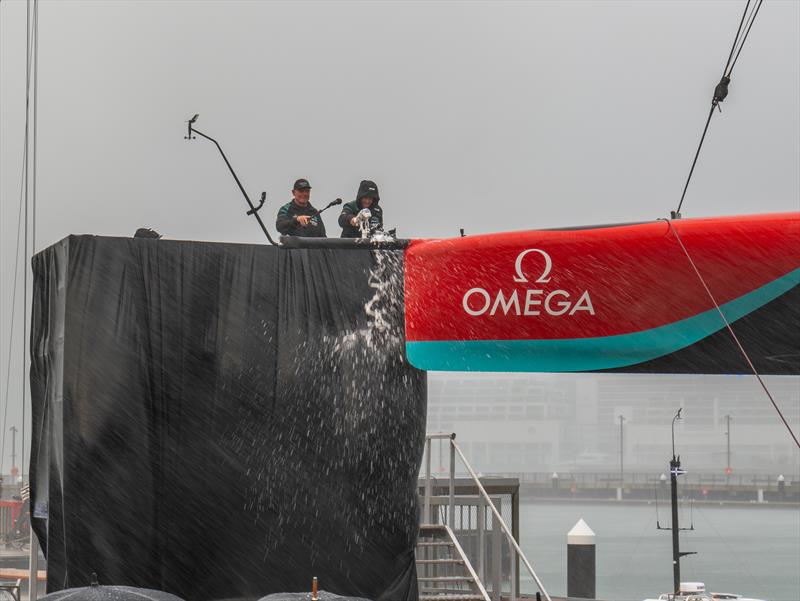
[
  {"x": 351, "y": 209},
  {"x": 287, "y": 224}
]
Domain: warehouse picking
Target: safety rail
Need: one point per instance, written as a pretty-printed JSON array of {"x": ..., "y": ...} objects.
[
  {"x": 496, "y": 517},
  {"x": 461, "y": 558},
  {"x": 598, "y": 479}
]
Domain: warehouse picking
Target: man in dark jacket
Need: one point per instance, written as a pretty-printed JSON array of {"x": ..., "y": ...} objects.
[
  {"x": 367, "y": 198},
  {"x": 298, "y": 217}
]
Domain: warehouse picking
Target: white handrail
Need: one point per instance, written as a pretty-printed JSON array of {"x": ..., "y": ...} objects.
[
  {"x": 497, "y": 515},
  {"x": 466, "y": 561}
]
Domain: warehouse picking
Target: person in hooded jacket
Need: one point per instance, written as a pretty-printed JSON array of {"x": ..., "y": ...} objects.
[{"x": 366, "y": 198}]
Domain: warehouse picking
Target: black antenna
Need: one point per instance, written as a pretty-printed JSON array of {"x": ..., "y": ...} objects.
[
  {"x": 253, "y": 209},
  {"x": 675, "y": 471}
]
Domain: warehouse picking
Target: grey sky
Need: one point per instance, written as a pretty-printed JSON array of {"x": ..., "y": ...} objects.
[{"x": 488, "y": 116}]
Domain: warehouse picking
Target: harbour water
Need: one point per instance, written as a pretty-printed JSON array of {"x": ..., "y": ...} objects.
[{"x": 754, "y": 551}]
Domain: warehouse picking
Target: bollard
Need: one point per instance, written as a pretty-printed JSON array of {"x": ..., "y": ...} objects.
[
  {"x": 581, "y": 561},
  {"x": 554, "y": 480},
  {"x": 781, "y": 487}
]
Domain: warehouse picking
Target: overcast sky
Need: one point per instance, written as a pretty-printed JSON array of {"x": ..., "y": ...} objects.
[{"x": 487, "y": 116}]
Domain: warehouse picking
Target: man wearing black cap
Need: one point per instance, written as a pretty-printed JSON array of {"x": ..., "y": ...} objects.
[
  {"x": 366, "y": 198},
  {"x": 298, "y": 217}
]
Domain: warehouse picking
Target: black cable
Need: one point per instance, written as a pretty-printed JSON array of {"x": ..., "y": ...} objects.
[
  {"x": 696, "y": 156},
  {"x": 35, "y": 117},
  {"x": 35, "y": 74},
  {"x": 721, "y": 89},
  {"x": 25, "y": 237},
  {"x": 746, "y": 33},
  {"x": 11, "y": 327},
  {"x": 736, "y": 39}
]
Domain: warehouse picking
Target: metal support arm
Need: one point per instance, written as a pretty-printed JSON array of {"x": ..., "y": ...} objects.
[{"x": 253, "y": 209}]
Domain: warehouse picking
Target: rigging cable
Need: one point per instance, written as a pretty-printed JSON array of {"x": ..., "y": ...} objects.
[
  {"x": 625, "y": 565},
  {"x": 733, "y": 335},
  {"x": 23, "y": 199},
  {"x": 35, "y": 75},
  {"x": 739, "y": 560},
  {"x": 25, "y": 233},
  {"x": 721, "y": 90},
  {"x": 13, "y": 312}
]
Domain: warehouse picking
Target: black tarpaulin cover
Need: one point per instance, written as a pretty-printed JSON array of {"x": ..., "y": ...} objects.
[{"x": 224, "y": 421}]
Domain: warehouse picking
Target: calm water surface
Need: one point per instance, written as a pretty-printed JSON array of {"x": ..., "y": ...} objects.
[{"x": 753, "y": 551}]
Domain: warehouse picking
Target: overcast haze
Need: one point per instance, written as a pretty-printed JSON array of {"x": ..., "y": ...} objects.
[{"x": 487, "y": 116}]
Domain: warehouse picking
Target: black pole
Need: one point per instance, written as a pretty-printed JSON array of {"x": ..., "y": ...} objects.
[
  {"x": 674, "y": 466},
  {"x": 621, "y": 453},
  {"x": 253, "y": 209},
  {"x": 728, "y": 434},
  {"x": 13, "y": 446},
  {"x": 675, "y": 471}
]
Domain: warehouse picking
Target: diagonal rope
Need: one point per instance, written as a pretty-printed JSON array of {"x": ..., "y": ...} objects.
[
  {"x": 753, "y": 13},
  {"x": 696, "y": 156},
  {"x": 626, "y": 565},
  {"x": 23, "y": 196},
  {"x": 11, "y": 328},
  {"x": 721, "y": 90},
  {"x": 25, "y": 359},
  {"x": 742, "y": 563},
  {"x": 733, "y": 335},
  {"x": 736, "y": 39}
]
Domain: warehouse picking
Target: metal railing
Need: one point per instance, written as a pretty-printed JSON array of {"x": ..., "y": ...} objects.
[
  {"x": 476, "y": 580},
  {"x": 487, "y": 502},
  {"x": 585, "y": 479}
]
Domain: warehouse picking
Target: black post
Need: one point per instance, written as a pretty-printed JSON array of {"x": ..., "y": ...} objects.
[
  {"x": 581, "y": 562},
  {"x": 13, "y": 446},
  {"x": 674, "y": 470},
  {"x": 674, "y": 466},
  {"x": 728, "y": 454},
  {"x": 621, "y": 455}
]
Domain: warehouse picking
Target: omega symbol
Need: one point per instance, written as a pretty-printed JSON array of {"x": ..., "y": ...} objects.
[{"x": 548, "y": 265}]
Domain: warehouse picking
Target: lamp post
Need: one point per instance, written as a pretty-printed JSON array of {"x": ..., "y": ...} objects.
[
  {"x": 14, "y": 472},
  {"x": 728, "y": 469},
  {"x": 621, "y": 451}
]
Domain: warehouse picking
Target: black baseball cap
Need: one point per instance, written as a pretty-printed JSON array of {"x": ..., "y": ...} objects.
[{"x": 301, "y": 184}]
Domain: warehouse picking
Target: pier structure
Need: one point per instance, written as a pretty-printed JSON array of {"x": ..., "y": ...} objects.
[{"x": 650, "y": 486}]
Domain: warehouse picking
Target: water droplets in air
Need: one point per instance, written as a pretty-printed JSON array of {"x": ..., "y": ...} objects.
[{"x": 332, "y": 453}]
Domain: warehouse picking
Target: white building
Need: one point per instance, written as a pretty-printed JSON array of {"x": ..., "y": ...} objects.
[{"x": 570, "y": 422}]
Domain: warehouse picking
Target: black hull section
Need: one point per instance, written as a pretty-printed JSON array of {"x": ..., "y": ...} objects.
[{"x": 770, "y": 335}]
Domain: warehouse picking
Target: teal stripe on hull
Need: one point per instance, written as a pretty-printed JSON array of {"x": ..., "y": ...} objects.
[{"x": 589, "y": 354}]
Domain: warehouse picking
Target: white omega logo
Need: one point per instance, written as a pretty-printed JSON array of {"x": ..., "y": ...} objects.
[
  {"x": 548, "y": 265},
  {"x": 529, "y": 302}
]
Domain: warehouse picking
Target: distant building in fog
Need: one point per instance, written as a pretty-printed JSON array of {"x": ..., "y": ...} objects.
[{"x": 549, "y": 422}]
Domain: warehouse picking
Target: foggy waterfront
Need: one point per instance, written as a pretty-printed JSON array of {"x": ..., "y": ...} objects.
[
  {"x": 174, "y": 411},
  {"x": 754, "y": 551}
]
